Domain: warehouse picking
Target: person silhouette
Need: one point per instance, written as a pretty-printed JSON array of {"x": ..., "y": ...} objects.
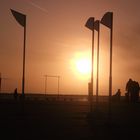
[
  {"x": 117, "y": 95},
  {"x": 129, "y": 89},
  {"x": 132, "y": 88},
  {"x": 15, "y": 94},
  {"x": 127, "y": 97},
  {"x": 135, "y": 93}
]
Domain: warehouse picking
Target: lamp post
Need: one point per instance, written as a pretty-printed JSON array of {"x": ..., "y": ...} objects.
[
  {"x": 90, "y": 25},
  {"x": 21, "y": 19},
  {"x": 97, "y": 28},
  {"x": 107, "y": 20}
]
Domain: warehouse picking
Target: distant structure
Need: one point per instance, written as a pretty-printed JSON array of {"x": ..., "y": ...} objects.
[
  {"x": 1, "y": 79},
  {"x": 58, "y": 82}
]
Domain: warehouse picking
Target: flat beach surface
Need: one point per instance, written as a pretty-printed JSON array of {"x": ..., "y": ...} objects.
[{"x": 66, "y": 119}]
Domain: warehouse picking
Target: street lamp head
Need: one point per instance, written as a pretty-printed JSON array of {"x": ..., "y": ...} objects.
[
  {"x": 96, "y": 25},
  {"x": 20, "y": 18},
  {"x": 107, "y": 19},
  {"x": 90, "y": 23}
]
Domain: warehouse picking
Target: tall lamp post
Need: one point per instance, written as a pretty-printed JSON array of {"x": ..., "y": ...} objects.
[
  {"x": 97, "y": 28},
  {"x": 90, "y": 25},
  {"x": 21, "y": 19},
  {"x": 107, "y": 20}
]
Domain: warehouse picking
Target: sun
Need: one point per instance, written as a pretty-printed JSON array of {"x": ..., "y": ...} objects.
[{"x": 83, "y": 66}]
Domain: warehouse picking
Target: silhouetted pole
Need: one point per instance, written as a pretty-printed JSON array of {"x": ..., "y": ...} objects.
[
  {"x": 111, "y": 49},
  {"x": 97, "y": 28},
  {"x": 107, "y": 20},
  {"x": 21, "y": 19},
  {"x": 90, "y": 25},
  {"x": 92, "y": 69},
  {"x": 24, "y": 50}
]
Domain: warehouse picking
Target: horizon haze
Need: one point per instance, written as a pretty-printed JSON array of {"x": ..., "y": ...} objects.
[{"x": 58, "y": 43}]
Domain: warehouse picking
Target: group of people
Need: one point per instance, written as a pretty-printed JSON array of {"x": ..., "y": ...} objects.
[{"x": 132, "y": 91}]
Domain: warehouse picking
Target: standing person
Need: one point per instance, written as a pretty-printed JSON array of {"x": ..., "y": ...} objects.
[
  {"x": 129, "y": 89},
  {"x": 137, "y": 91},
  {"x": 135, "y": 95},
  {"x": 15, "y": 94}
]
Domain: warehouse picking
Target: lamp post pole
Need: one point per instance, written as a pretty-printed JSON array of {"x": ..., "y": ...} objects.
[
  {"x": 97, "y": 28},
  {"x": 24, "y": 50},
  {"x": 90, "y": 25},
  {"x": 107, "y": 20}
]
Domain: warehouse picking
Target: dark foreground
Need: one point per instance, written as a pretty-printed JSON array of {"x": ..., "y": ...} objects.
[{"x": 67, "y": 120}]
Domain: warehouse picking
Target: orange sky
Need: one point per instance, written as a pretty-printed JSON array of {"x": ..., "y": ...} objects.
[{"x": 56, "y": 34}]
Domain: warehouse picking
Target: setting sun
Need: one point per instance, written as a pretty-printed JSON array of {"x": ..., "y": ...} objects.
[{"x": 83, "y": 66}]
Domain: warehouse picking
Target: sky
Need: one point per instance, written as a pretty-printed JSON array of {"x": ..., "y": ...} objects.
[{"x": 57, "y": 40}]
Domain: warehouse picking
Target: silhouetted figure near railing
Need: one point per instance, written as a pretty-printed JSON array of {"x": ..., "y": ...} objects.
[
  {"x": 132, "y": 88},
  {"x": 129, "y": 89},
  {"x": 15, "y": 94},
  {"x": 117, "y": 95},
  {"x": 135, "y": 94},
  {"x": 127, "y": 97},
  {"x": 137, "y": 91}
]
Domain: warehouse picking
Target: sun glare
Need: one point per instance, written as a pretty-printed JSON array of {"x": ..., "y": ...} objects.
[{"x": 83, "y": 66}]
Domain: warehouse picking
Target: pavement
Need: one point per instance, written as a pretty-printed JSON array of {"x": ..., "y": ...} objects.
[{"x": 67, "y": 120}]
